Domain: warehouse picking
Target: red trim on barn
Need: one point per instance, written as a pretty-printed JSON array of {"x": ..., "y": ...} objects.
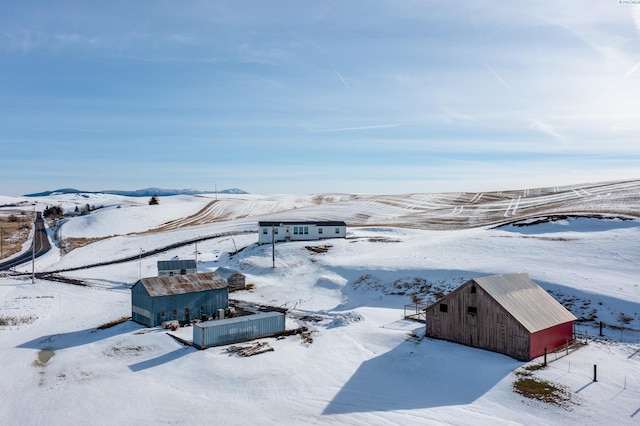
[{"x": 551, "y": 338}]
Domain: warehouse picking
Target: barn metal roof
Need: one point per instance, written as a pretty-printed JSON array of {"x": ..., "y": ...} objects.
[
  {"x": 525, "y": 300},
  {"x": 302, "y": 222},
  {"x": 172, "y": 265},
  {"x": 180, "y": 284}
]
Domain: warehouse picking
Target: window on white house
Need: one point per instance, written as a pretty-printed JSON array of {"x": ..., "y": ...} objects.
[
  {"x": 337, "y": 230},
  {"x": 306, "y": 230},
  {"x": 264, "y": 231},
  {"x": 275, "y": 230},
  {"x": 295, "y": 230},
  {"x": 319, "y": 230}
]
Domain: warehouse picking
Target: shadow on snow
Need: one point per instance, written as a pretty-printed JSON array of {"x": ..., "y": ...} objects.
[
  {"x": 79, "y": 338},
  {"x": 550, "y": 225},
  {"x": 421, "y": 375},
  {"x": 162, "y": 359}
]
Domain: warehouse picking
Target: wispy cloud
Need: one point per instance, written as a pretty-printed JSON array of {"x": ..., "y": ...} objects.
[
  {"x": 22, "y": 41},
  {"x": 449, "y": 113},
  {"x": 181, "y": 38},
  {"x": 355, "y": 128},
  {"x": 72, "y": 38}
]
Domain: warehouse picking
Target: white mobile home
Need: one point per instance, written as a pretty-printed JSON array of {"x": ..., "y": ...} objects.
[{"x": 269, "y": 232}]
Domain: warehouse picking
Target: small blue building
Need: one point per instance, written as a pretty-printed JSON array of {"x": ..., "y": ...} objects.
[{"x": 179, "y": 297}]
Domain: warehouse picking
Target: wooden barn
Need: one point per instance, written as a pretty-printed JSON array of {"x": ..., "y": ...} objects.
[
  {"x": 178, "y": 297},
  {"x": 509, "y": 314}
]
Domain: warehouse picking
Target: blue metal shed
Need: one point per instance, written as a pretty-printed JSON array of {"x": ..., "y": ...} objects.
[
  {"x": 238, "y": 329},
  {"x": 179, "y": 297}
]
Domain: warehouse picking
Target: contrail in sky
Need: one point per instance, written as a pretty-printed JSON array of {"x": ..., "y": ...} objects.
[
  {"x": 632, "y": 70},
  {"x": 340, "y": 77},
  {"x": 500, "y": 79}
]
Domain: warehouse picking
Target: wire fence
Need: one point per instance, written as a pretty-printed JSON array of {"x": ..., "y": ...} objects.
[
  {"x": 598, "y": 373},
  {"x": 583, "y": 333}
]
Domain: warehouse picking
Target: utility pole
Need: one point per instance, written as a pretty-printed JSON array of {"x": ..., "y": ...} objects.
[
  {"x": 273, "y": 246},
  {"x": 140, "y": 265},
  {"x": 1, "y": 252},
  {"x": 33, "y": 247},
  {"x": 196, "y": 253}
]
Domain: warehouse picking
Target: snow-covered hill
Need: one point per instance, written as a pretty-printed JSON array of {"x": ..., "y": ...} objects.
[{"x": 364, "y": 364}]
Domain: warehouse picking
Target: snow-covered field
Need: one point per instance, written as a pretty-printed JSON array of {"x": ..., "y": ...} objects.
[{"x": 364, "y": 364}]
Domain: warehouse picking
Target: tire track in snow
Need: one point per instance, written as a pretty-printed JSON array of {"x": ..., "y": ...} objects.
[{"x": 513, "y": 207}]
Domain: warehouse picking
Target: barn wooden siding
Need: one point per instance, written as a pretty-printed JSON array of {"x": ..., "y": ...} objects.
[
  {"x": 509, "y": 314},
  {"x": 491, "y": 327}
]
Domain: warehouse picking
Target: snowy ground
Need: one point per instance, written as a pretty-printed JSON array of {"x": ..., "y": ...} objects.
[{"x": 364, "y": 364}]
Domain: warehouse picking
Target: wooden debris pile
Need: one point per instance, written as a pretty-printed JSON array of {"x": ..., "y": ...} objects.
[{"x": 250, "y": 349}]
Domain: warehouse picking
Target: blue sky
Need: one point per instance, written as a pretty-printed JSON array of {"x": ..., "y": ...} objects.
[{"x": 313, "y": 97}]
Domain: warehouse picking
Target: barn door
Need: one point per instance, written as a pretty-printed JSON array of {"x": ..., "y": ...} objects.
[
  {"x": 435, "y": 325},
  {"x": 502, "y": 331}
]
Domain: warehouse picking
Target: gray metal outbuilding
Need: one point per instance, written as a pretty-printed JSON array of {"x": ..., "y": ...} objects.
[
  {"x": 179, "y": 297},
  {"x": 167, "y": 268},
  {"x": 238, "y": 329}
]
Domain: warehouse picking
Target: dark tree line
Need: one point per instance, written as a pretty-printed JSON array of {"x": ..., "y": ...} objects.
[{"x": 53, "y": 211}]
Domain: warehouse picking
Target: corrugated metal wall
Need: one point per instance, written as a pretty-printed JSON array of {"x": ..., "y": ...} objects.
[
  {"x": 239, "y": 329},
  {"x": 140, "y": 305},
  {"x": 174, "y": 307},
  {"x": 153, "y": 311}
]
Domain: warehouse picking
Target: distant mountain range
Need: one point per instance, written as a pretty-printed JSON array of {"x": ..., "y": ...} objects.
[{"x": 147, "y": 192}]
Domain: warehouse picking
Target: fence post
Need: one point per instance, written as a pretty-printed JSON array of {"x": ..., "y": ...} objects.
[
  {"x": 600, "y": 328},
  {"x": 545, "y": 357},
  {"x": 567, "y": 346},
  {"x": 595, "y": 373}
]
